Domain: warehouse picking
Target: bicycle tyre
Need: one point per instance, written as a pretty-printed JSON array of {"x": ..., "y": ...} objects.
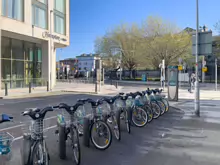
[
  {"x": 75, "y": 145},
  {"x": 166, "y": 102},
  {"x": 35, "y": 151},
  {"x": 128, "y": 120},
  {"x": 162, "y": 107},
  {"x": 117, "y": 118},
  {"x": 143, "y": 123},
  {"x": 149, "y": 111},
  {"x": 62, "y": 141},
  {"x": 156, "y": 109},
  {"x": 110, "y": 135}
]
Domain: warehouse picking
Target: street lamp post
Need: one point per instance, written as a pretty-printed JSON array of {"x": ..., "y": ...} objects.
[
  {"x": 197, "y": 106},
  {"x": 120, "y": 64}
]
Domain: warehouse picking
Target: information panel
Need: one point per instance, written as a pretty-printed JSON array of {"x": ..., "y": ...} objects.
[{"x": 173, "y": 83}]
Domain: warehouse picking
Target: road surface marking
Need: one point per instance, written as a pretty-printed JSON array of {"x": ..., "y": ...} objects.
[
  {"x": 21, "y": 125},
  {"x": 21, "y": 137}
]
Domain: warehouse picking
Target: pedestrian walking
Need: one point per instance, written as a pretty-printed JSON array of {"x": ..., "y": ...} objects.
[{"x": 192, "y": 81}]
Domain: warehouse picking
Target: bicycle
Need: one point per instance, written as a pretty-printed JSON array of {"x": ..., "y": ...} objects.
[
  {"x": 113, "y": 116},
  {"x": 158, "y": 100},
  {"x": 6, "y": 140},
  {"x": 34, "y": 146},
  {"x": 163, "y": 97},
  {"x": 149, "y": 100},
  {"x": 68, "y": 128},
  {"x": 125, "y": 111},
  {"x": 96, "y": 124},
  {"x": 138, "y": 113}
]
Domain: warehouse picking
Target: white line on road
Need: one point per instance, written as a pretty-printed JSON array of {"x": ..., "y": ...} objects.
[
  {"x": 21, "y": 125},
  {"x": 21, "y": 137}
]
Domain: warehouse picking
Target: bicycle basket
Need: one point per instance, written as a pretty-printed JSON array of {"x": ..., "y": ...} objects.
[
  {"x": 103, "y": 108},
  {"x": 129, "y": 102},
  {"x": 6, "y": 140},
  {"x": 35, "y": 128},
  {"x": 138, "y": 101},
  {"x": 119, "y": 104}
]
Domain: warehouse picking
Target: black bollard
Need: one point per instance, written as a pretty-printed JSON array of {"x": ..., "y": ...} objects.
[
  {"x": 29, "y": 87},
  {"x": 116, "y": 85},
  {"x": 111, "y": 82},
  {"x": 6, "y": 89},
  {"x": 47, "y": 86}
]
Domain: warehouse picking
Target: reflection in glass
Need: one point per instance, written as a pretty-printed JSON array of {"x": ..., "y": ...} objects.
[
  {"x": 17, "y": 49},
  {"x": 5, "y": 48},
  {"x": 6, "y": 69}
]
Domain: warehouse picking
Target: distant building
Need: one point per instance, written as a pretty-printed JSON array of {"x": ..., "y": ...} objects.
[
  {"x": 86, "y": 62},
  {"x": 72, "y": 62}
]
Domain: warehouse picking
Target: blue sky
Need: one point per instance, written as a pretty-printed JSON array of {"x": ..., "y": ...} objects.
[{"x": 92, "y": 18}]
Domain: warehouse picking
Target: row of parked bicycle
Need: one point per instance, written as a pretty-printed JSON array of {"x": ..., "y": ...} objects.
[{"x": 136, "y": 109}]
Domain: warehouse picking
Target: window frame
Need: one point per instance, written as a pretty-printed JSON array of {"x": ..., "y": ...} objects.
[
  {"x": 62, "y": 15},
  {"x": 42, "y": 6},
  {"x": 7, "y": 13}
]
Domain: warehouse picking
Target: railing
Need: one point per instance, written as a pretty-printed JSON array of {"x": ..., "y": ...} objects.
[
  {"x": 23, "y": 83},
  {"x": 78, "y": 80}
]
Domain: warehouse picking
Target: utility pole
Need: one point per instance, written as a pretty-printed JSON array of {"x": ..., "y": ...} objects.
[
  {"x": 216, "y": 74},
  {"x": 197, "y": 106}
]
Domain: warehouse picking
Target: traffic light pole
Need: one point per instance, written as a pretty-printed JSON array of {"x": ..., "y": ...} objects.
[{"x": 197, "y": 106}]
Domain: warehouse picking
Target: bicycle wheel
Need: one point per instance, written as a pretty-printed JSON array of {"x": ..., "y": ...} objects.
[
  {"x": 39, "y": 155},
  {"x": 116, "y": 125},
  {"x": 149, "y": 112},
  {"x": 103, "y": 132},
  {"x": 75, "y": 145},
  {"x": 128, "y": 120},
  {"x": 62, "y": 141},
  {"x": 156, "y": 110},
  {"x": 162, "y": 107},
  {"x": 139, "y": 117},
  {"x": 166, "y": 102}
]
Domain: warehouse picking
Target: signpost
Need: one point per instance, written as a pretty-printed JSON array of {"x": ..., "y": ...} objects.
[
  {"x": 201, "y": 46},
  {"x": 173, "y": 83}
]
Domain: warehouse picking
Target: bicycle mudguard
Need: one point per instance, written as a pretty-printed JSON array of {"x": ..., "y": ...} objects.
[{"x": 27, "y": 148}]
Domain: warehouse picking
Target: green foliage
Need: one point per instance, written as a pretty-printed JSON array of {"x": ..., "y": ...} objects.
[{"x": 144, "y": 46}]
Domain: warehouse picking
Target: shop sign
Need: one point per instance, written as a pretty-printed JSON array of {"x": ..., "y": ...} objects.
[{"x": 55, "y": 37}]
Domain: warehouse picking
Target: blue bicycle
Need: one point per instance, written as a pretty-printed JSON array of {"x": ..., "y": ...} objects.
[{"x": 6, "y": 139}]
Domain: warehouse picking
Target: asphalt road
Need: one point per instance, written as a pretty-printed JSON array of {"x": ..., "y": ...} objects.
[{"x": 134, "y": 149}]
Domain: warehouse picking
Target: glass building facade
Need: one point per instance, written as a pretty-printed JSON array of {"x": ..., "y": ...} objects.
[{"x": 21, "y": 63}]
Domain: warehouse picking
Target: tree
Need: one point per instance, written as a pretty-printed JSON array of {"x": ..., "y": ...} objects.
[
  {"x": 120, "y": 43},
  {"x": 164, "y": 40}
]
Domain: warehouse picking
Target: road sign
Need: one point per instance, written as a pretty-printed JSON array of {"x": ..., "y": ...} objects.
[
  {"x": 204, "y": 69},
  {"x": 180, "y": 67},
  {"x": 205, "y": 43}
]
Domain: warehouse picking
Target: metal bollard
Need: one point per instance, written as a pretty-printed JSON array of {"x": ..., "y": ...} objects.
[
  {"x": 47, "y": 86},
  {"x": 116, "y": 85},
  {"x": 96, "y": 87},
  {"x": 29, "y": 87},
  {"x": 111, "y": 82},
  {"x": 6, "y": 89}
]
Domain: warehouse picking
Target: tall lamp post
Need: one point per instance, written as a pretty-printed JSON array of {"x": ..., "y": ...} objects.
[{"x": 197, "y": 106}]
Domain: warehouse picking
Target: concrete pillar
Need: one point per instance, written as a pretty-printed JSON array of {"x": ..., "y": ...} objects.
[
  {"x": 45, "y": 62},
  {"x": 53, "y": 71},
  {"x": 0, "y": 59}
]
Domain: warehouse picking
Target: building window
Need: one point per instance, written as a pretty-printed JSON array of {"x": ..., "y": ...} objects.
[
  {"x": 59, "y": 16},
  {"x": 13, "y": 9},
  {"x": 39, "y": 13},
  {"x": 21, "y": 63}
]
